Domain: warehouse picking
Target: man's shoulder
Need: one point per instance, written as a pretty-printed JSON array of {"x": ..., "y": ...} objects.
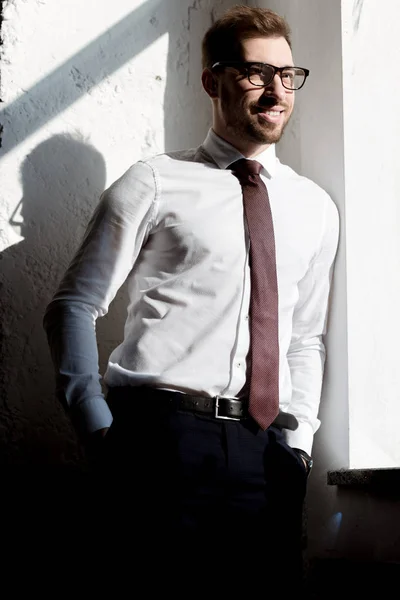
[
  {"x": 188, "y": 155},
  {"x": 145, "y": 172}
]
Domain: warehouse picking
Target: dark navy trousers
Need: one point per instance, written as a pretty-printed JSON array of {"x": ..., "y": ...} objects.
[{"x": 196, "y": 499}]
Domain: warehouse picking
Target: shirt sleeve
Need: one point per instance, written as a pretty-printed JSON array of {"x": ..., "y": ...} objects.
[
  {"x": 117, "y": 230},
  {"x": 306, "y": 354}
]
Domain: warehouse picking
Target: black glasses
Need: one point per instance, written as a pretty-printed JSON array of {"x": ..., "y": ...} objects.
[{"x": 261, "y": 74}]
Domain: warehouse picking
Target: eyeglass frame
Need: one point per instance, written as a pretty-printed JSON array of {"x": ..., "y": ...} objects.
[{"x": 248, "y": 64}]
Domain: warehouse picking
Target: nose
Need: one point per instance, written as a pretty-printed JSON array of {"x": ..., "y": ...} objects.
[{"x": 276, "y": 88}]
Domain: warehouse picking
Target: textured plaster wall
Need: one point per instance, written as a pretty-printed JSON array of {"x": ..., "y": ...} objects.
[{"x": 88, "y": 88}]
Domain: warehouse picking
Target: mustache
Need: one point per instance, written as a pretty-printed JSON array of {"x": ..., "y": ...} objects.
[{"x": 268, "y": 103}]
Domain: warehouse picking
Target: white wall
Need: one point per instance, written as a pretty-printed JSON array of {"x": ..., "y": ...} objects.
[
  {"x": 89, "y": 88},
  {"x": 372, "y": 129}
]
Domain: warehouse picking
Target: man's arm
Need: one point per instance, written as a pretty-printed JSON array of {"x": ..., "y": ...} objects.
[
  {"x": 107, "y": 254},
  {"x": 70, "y": 328},
  {"x": 306, "y": 354}
]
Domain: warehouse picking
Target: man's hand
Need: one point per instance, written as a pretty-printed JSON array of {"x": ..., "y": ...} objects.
[
  {"x": 94, "y": 441},
  {"x": 99, "y": 433},
  {"x": 306, "y": 458}
]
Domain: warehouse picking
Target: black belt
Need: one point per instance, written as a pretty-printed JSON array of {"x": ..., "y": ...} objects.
[{"x": 219, "y": 407}]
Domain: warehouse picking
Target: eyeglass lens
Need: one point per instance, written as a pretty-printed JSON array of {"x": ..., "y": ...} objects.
[{"x": 292, "y": 78}]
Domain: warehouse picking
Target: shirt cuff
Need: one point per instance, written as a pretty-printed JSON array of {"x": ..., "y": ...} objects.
[
  {"x": 301, "y": 438},
  {"x": 91, "y": 414}
]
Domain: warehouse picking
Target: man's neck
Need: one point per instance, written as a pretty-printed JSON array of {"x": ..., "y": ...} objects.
[{"x": 248, "y": 149}]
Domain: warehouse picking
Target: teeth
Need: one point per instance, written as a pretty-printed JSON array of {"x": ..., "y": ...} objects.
[{"x": 273, "y": 113}]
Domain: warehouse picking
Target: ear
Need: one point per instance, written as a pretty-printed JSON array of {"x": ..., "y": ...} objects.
[{"x": 210, "y": 83}]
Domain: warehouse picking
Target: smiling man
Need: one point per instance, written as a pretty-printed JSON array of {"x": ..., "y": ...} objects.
[
  {"x": 203, "y": 445},
  {"x": 245, "y": 112}
]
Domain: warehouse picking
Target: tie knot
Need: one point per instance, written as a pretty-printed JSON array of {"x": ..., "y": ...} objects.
[{"x": 244, "y": 168}]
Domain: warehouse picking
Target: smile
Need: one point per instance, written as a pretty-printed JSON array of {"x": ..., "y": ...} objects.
[{"x": 271, "y": 116}]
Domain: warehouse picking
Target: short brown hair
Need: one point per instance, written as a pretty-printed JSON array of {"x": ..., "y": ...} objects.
[{"x": 223, "y": 40}]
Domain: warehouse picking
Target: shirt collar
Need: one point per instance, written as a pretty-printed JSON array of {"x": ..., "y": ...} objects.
[{"x": 224, "y": 153}]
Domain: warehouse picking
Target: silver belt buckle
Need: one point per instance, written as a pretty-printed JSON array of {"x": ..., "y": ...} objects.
[{"x": 216, "y": 411}]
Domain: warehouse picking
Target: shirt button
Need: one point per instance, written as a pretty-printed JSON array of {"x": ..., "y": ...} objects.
[
  {"x": 247, "y": 317},
  {"x": 238, "y": 365}
]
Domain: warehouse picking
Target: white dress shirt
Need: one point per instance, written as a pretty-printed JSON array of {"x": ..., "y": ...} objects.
[{"x": 174, "y": 226}]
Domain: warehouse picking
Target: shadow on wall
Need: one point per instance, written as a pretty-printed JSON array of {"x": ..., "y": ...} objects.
[{"x": 62, "y": 179}]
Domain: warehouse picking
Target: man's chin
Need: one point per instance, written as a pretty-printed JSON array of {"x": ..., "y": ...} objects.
[{"x": 267, "y": 135}]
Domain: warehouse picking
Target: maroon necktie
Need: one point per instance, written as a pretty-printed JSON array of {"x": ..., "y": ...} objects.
[{"x": 264, "y": 344}]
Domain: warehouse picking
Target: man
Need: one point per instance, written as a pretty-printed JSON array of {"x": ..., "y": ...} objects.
[{"x": 206, "y": 434}]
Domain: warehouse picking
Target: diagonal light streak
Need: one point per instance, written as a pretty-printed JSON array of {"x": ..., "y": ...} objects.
[{"x": 59, "y": 89}]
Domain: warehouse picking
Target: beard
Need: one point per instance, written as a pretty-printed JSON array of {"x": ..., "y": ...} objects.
[
  {"x": 267, "y": 133},
  {"x": 243, "y": 123}
]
